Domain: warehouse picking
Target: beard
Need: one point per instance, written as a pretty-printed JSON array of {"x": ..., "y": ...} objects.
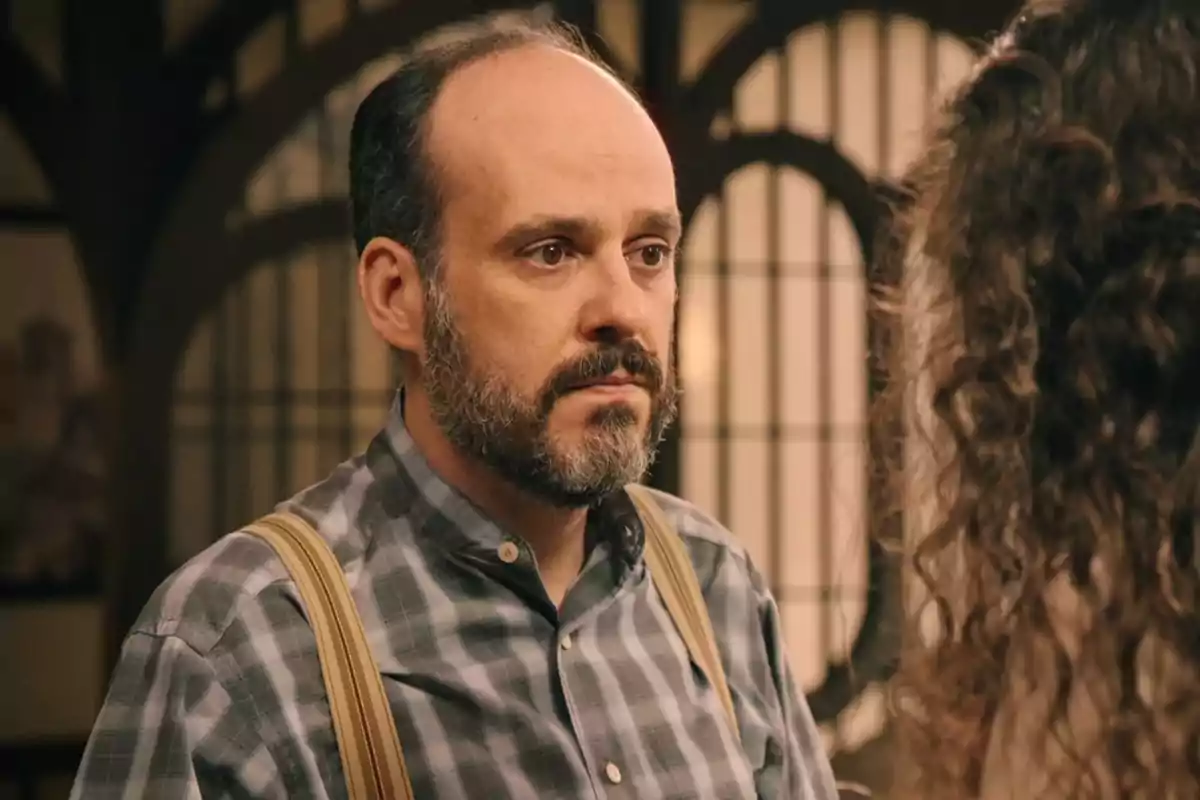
[{"x": 484, "y": 417}]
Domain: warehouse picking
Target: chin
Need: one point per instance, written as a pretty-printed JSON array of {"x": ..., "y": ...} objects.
[
  {"x": 617, "y": 416},
  {"x": 608, "y": 428},
  {"x": 577, "y": 417}
]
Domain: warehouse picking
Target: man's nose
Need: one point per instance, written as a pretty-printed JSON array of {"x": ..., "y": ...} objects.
[{"x": 617, "y": 305}]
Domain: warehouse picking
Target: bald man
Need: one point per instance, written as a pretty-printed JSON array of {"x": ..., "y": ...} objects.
[{"x": 516, "y": 222}]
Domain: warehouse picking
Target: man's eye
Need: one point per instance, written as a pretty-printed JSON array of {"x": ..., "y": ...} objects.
[
  {"x": 652, "y": 256},
  {"x": 549, "y": 254}
]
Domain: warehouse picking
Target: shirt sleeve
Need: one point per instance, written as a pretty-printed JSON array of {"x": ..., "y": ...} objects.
[
  {"x": 793, "y": 762},
  {"x": 168, "y": 729},
  {"x": 804, "y": 770}
]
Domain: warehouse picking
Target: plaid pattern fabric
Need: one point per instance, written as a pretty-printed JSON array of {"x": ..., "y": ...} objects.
[{"x": 496, "y": 692}]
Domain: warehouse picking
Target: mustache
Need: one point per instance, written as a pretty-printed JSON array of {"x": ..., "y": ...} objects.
[{"x": 638, "y": 362}]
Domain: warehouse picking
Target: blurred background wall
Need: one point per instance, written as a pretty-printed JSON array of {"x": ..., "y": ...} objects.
[{"x": 181, "y": 344}]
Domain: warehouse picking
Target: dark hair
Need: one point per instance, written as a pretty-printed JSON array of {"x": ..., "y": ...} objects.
[
  {"x": 1041, "y": 296},
  {"x": 393, "y": 189}
]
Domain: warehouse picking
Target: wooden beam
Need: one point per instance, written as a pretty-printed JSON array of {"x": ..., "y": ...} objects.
[
  {"x": 31, "y": 217},
  {"x": 36, "y": 107}
]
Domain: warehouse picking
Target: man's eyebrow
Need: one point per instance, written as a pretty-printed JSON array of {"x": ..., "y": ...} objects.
[
  {"x": 665, "y": 223},
  {"x": 546, "y": 227}
]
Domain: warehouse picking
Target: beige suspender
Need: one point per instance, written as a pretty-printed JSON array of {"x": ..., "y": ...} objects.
[
  {"x": 362, "y": 717},
  {"x": 372, "y": 759},
  {"x": 675, "y": 578}
]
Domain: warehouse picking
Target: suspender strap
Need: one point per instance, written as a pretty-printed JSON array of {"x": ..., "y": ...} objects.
[
  {"x": 674, "y": 576},
  {"x": 362, "y": 717},
  {"x": 372, "y": 759}
]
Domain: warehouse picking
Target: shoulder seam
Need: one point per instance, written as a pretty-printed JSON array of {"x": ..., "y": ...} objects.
[{"x": 177, "y": 625}]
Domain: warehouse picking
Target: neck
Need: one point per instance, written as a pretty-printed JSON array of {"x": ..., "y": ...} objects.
[{"x": 555, "y": 534}]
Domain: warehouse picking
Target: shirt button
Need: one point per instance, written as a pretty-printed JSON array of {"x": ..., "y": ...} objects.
[
  {"x": 566, "y": 643},
  {"x": 509, "y": 553},
  {"x": 612, "y": 772}
]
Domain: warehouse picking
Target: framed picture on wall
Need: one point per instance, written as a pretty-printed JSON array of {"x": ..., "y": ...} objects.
[{"x": 52, "y": 460}]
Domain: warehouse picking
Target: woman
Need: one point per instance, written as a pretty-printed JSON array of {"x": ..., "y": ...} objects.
[{"x": 1042, "y": 305}]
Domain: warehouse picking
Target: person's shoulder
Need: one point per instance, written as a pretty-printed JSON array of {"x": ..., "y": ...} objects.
[
  {"x": 709, "y": 542},
  {"x": 200, "y": 600},
  {"x": 240, "y": 572},
  {"x": 695, "y": 524}
]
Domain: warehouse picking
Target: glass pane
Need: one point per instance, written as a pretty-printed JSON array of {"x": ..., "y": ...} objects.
[
  {"x": 284, "y": 379},
  {"x": 773, "y": 327}
]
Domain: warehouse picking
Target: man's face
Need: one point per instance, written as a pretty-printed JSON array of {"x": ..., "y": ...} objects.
[{"x": 548, "y": 329}]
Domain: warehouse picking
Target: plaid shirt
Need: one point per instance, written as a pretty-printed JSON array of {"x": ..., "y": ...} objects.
[{"x": 495, "y": 691}]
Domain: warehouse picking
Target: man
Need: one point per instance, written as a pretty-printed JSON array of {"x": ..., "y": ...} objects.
[{"x": 515, "y": 214}]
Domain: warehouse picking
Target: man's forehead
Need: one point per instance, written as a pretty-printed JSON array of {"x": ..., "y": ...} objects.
[
  {"x": 577, "y": 146},
  {"x": 542, "y": 102},
  {"x": 525, "y": 73}
]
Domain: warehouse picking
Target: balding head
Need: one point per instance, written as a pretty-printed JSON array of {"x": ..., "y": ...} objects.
[{"x": 535, "y": 132}]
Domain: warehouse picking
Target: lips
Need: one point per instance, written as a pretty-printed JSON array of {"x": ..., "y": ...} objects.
[
  {"x": 608, "y": 380},
  {"x": 611, "y": 369}
]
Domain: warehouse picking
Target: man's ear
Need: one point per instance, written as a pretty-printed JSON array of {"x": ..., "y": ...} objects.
[{"x": 389, "y": 283}]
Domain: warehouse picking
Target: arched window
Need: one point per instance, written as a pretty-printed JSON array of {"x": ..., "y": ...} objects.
[
  {"x": 286, "y": 378},
  {"x": 773, "y": 338}
]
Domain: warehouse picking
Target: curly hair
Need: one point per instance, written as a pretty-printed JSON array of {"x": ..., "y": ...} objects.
[{"x": 1040, "y": 300}]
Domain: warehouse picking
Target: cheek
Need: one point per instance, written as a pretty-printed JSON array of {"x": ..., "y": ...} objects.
[
  {"x": 522, "y": 368},
  {"x": 517, "y": 335},
  {"x": 662, "y": 325},
  {"x": 521, "y": 356}
]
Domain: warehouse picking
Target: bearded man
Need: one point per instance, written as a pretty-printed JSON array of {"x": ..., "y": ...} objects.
[{"x": 516, "y": 221}]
